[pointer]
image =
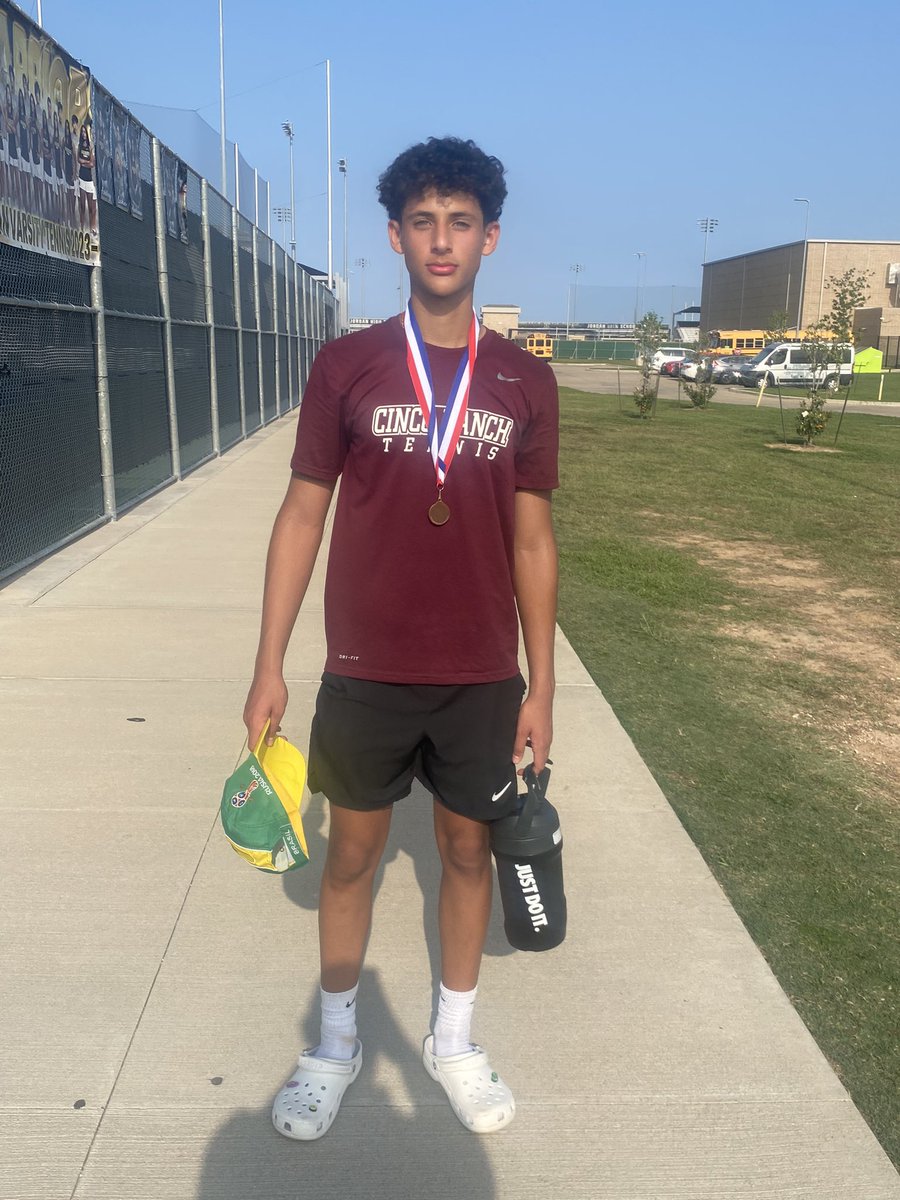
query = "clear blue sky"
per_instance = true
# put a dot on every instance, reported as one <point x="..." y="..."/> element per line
<point x="619" y="128"/>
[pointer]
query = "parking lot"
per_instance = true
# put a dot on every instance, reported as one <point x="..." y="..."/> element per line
<point x="612" y="381"/>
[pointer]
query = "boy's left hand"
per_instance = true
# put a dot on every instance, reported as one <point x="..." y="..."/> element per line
<point x="534" y="729"/>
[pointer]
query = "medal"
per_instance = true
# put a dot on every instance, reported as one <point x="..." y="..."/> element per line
<point x="443" y="432"/>
<point x="439" y="513"/>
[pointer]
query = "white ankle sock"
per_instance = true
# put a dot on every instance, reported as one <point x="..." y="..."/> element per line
<point x="338" y="1030"/>
<point x="454" y="1021"/>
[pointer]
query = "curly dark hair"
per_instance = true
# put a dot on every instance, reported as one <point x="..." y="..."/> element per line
<point x="445" y="165"/>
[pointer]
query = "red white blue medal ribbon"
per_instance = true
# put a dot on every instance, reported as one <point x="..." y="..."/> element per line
<point x="444" y="431"/>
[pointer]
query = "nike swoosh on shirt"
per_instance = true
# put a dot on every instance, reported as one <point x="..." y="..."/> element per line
<point x="496" y="796"/>
<point x="508" y="379"/>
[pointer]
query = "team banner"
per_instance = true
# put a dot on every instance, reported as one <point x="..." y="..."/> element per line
<point x="48" y="191"/>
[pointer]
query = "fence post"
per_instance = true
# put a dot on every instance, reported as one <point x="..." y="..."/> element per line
<point x="236" y="288"/>
<point x="162" y="263"/>
<point x="210" y="317"/>
<point x="259" y="354"/>
<point x="104" y="424"/>
<point x="275" y="309"/>
<point x="292" y="391"/>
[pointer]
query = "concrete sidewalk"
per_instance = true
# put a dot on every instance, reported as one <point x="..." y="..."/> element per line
<point x="156" y="989"/>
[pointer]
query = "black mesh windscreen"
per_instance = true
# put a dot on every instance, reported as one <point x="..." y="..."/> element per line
<point x="190" y="350"/>
<point x="266" y="285"/>
<point x="270" y="404"/>
<point x="281" y="289"/>
<point x="292" y="299"/>
<point x="50" y="481"/>
<point x="221" y="252"/>
<point x="227" y="387"/>
<point x="187" y="284"/>
<point x="251" y="381"/>
<point x="245" y="266"/>
<point x="25" y="275"/>
<point x="139" y="418"/>
<point x="128" y="250"/>
<point x="284" y="382"/>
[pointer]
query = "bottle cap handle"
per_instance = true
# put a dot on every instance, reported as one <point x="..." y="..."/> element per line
<point x="537" y="790"/>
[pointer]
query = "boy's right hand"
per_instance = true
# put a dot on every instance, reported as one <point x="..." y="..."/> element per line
<point x="266" y="701"/>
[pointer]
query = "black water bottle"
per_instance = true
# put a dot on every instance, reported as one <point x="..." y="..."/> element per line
<point x="527" y="847"/>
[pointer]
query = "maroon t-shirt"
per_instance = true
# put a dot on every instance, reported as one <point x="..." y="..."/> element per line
<point x="407" y="601"/>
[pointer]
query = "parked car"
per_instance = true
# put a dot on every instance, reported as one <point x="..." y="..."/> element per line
<point x="727" y="368"/>
<point x="790" y="364"/>
<point x="668" y="354"/>
<point x="697" y="370"/>
<point x="672" y="367"/>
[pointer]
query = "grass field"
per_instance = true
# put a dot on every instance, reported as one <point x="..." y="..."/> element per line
<point x="739" y="606"/>
<point x="864" y="387"/>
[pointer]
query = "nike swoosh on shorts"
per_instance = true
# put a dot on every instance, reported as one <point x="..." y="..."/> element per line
<point x="496" y="796"/>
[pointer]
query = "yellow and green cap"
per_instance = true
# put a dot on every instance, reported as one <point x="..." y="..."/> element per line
<point x="260" y="809"/>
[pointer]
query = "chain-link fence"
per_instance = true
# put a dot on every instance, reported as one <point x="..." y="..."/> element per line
<point x="191" y="331"/>
<point x="890" y="348"/>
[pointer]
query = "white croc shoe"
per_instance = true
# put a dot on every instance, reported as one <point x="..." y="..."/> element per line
<point x="478" y="1095"/>
<point x="306" y="1106"/>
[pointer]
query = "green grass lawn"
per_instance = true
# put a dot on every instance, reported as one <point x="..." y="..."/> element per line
<point x="740" y="608"/>
<point x="864" y="387"/>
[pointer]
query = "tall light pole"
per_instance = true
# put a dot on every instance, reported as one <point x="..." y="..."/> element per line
<point x="329" y="172"/>
<point x="288" y="127"/>
<point x="577" y="268"/>
<point x="802" y="200"/>
<point x="222" y="166"/>
<point x="639" y="254"/>
<point x="708" y="225"/>
<point x="342" y="167"/>
<point x="362" y="263"/>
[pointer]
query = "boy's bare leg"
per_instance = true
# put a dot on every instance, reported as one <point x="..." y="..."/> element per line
<point x="464" y="907"/>
<point x="355" y="846"/>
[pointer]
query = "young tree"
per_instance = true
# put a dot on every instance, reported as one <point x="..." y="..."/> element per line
<point x="779" y="324"/>
<point x="849" y="292"/>
<point x="820" y="345"/>
<point x="649" y="335"/>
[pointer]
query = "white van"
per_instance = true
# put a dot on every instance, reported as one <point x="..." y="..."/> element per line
<point x="790" y="364"/>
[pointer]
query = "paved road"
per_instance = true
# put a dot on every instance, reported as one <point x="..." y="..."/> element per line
<point x="588" y="377"/>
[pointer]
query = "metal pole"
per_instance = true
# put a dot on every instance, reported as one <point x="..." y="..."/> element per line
<point x="236" y="289"/>
<point x="104" y="422"/>
<point x="328" y="177"/>
<point x="293" y="206"/>
<point x="163" y="269"/>
<point x="237" y="178"/>
<point x="210" y="317"/>
<point x="40" y="14"/>
<point x="222" y="101"/>
<point x="802" y="200"/>
<point x="259" y="354"/>
<point x="276" y="335"/>
<point x="256" y="197"/>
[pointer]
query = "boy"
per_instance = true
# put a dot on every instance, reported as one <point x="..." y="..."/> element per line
<point x="445" y="438"/>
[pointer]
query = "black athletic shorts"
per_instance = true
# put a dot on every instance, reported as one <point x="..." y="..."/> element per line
<point x="370" y="740"/>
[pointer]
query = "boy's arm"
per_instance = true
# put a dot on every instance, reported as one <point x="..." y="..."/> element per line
<point x="536" y="575"/>
<point x="293" y="547"/>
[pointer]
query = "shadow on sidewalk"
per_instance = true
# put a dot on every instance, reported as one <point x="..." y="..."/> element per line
<point x="381" y="1147"/>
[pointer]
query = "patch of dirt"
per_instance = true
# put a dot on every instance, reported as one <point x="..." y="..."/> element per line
<point x="802" y="449"/>
<point x="830" y="630"/>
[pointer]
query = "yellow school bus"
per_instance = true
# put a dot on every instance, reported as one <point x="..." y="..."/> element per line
<point x="740" y="341"/>
<point x="540" y="345"/>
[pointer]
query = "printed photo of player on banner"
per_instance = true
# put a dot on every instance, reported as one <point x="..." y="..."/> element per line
<point x="48" y="191"/>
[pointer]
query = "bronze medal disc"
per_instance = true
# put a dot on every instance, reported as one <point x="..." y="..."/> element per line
<point x="439" y="513"/>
